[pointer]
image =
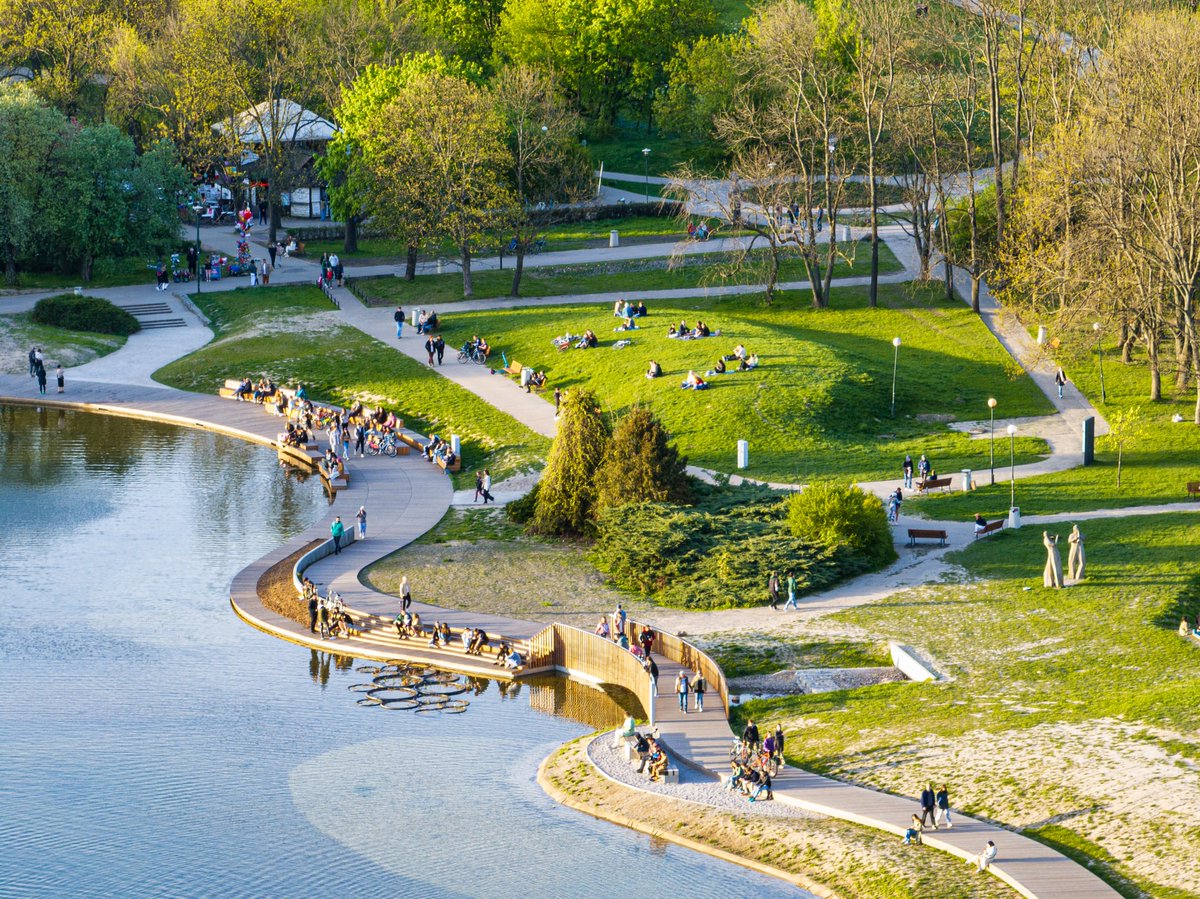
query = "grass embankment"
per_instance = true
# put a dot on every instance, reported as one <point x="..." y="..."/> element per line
<point x="18" y="333"/>
<point x="749" y="653"/>
<point x="661" y="273"/>
<point x="1156" y="468"/>
<point x="107" y="273"/>
<point x="818" y="405"/>
<point x="291" y="335"/>
<point x="479" y="560"/>
<point x="845" y="858"/>
<point x="278" y="593"/>
<point x="1071" y="714"/>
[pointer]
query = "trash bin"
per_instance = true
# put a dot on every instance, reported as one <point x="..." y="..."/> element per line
<point x="456" y="445"/>
<point x="968" y="483"/>
<point x="1041" y="338"/>
<point x="614" y="239"/>
<point x="1014" y="517"/>
<point x="743" y="454"/>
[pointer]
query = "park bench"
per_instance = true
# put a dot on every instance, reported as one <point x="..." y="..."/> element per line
<point x="933" y="484"/>
<point x="990" y="528"/>
<point x="1193" y="489"/>
<point x="514" y="368"/>
<point x="457" y="466"/>
<point x="915" y="534"/>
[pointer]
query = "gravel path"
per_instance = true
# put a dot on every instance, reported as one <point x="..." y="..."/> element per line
<point x="692" y="787"/>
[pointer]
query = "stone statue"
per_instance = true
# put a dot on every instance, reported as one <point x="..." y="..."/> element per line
<point x="1053" y="573"/>
<point x="1076" y="559"/>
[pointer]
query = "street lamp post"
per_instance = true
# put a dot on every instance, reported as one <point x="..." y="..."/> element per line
<point x="895" y="365"/>
<point x="1100" y="350"/>
<point x="646" y="171"/>
<point x="1012" y="467"/>
<point x="992" y="437"/>
<point x="199" y="275"/>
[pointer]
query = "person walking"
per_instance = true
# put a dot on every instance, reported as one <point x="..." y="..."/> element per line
<point x="405" y="594"/>
<point x="487" y="487"/>
<point x="942" y="800"/>
<point x="557" y="400"/>
<point x="60" y="376"/>
<point x="398" y="318"/>
<point x="440" y="346"/>
<point x="33" y="351"/>
<point x="652" y="669"/>
<point x="41" y="378"/>
<point x="908" y="472"/>
<point x="791" y="592"/>
<point x="312" y="606"/>
<point x="681" y="689"/>
<point x="430" y="348"/>
<point x="360" y="439"/>
<point x="361" y="515"/>
<point x="698" y="688"/>
<point x="751" y="737"/>
<point x="1060" y="379"/>
<point x="928" y="806"/>
<point x="273" y="251"/>
<point x="773" y="590"/>
<point x="478" y="486"/>
<point x="779" y="742"/>
<point x="337" y="530"/>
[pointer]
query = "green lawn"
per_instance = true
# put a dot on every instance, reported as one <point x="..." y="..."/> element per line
<point x="1061" y="702"/>
<point x="654" y="273"/>
<point x="1155" y="469"/>
<point x="819" y="403"/>
<point x="621" y="151"/>
<point x="107" y="273"/>
<point x="639" y="187"/>
<point x="59" y="345"/>
<point x="282" y="332"/>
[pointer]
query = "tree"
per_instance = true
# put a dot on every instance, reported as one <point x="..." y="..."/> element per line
<point x="1125" y="427"/>
<point x="466" y="25"/>
<point x="702" y="84"/>
<point x="640" y="464"/>
<point x="566" y="499"/>
<point x="438" y="155"/>
<point x="29" y="133"/>
<point x="836" y="514"/>
<point x="547" y="163"/>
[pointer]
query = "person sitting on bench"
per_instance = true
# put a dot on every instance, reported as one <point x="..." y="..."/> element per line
<point x="479" y="642"/>
<point x="641" y="747"/>
<point x="763" y="786"/>
<point x="658" y="762"/>
<point x="537" y="380"/>
<point x="503" y="651"/>
<point x="980" y="524"/>
<point x="654" y="371"/>
<point x="244" y="389"/>
<point x="514" y="661"/>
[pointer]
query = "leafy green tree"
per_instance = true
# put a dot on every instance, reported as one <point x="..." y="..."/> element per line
<point x="466" y="25"/>
<point x="566" y="499"/>
<point x="840" y="515"/>
<point x="703" y="82"/>
<point x="640" y="464"/>
<point x="29" y="132"/>
<point x="1125" y="427"/>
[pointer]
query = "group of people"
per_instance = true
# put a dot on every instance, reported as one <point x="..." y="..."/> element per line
<point x="37" y="369"/>
<point x="483" y="487"/>
<point x="474" y="640"/>
<point x="690" y="685"/>
<point x="327" y="614"/>
<point x="439" y="451"/>
<point x="924" y="470"/>
<point x="627" y="310"/>
<point x="423" y="320"/>
<point x="683" y="332"/>
<point x="743" y="361"/>
<point x="698" y="231"/>
<point x="774" y="594"/>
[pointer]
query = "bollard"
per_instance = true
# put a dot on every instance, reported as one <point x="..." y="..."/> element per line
<point x="1014" y="517"/>
<point x="1041" y="338"/>
<point x="743" y="454"/>
<point x="1089" y="440"/>
<point x="614" y="239"/>
<point x="456" y="445"/>
<point x="844" y="233"/>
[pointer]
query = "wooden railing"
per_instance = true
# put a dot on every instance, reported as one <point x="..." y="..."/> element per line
<point x="679" y="650"/>
<point x="590" y="657"/>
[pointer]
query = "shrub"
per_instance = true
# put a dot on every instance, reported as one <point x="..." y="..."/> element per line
<point x="521" y="510"/>
<point x="640" y="465"/>
<point x="836" y="515"/>
<point x="84" y="314"/>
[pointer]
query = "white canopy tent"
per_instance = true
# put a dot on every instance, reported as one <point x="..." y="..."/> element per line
<point x="290" y="121"/>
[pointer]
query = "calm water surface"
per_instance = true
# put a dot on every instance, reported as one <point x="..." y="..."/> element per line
<point x="155" y="745"/>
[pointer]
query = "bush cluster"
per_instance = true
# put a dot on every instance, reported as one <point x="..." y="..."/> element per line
<point x="84" y="314"/>
<point x="719" y="553"/>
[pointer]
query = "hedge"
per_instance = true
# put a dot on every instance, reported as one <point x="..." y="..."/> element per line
<point x="84" y="314"/>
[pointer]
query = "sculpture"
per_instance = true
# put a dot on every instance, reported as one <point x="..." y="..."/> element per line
<point x="1076" y="559"/>
<point x="1053" y="574"/>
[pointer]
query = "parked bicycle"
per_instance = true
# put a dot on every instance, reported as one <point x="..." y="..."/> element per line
<point x="381" y="443"/>
<point x="470" y="353"/>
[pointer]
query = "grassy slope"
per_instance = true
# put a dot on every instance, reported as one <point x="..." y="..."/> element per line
<point x="818" y="405"/>
<point x="1156" y="469"/>
<point x="58" y="344"/>
<point x="1027" y="662"/>
<point x="339" y="363"/>
<point x="602" y="277"/>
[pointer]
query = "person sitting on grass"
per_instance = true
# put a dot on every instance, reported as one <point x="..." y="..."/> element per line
<point x="702" y="330"/>
<point x="672" y="333"/>
<point x="618" y="308"/>
<point x="750" y="362"/>
<point x="693" y="382"/>
<point x="641" y="309"/>
<point x="739" y="353"/>
<point x="626" y="325"/>
<point x="654" y="371"/>
<point x="718" y="369"/>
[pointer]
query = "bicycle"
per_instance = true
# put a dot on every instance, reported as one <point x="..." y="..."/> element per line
<point x="377" y="444"/>
<point x="472" y="354"/>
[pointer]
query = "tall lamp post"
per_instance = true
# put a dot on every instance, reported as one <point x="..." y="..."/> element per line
<point x="895" y="365"/>
<point x="1100" y="350"/>
<point x="992" y="437"/>
<point x="1012" y="467"/>
<point x="198" y="208"/>
<point x="646" y="171"/>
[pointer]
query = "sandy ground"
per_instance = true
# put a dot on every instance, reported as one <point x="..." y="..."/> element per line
<point x="15" y="344"/>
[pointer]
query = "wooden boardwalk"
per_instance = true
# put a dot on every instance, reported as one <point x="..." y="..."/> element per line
<point x="407" y="496"/>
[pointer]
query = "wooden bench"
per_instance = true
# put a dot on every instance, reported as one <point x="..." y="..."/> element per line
<point x="514" y="369"/>
<point x="915" y="534"/>
<point x="989" y="528"/>
<point x="457" y="466"/>
<point x="933" y="484"/>
<point x="1193" y="489"/>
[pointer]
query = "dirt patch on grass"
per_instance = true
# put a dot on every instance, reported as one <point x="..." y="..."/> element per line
<point x="278" y="593"/>
<point x="845" y="859"/>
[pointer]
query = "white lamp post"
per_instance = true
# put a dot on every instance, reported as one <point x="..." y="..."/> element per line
<point x="646" y="171"/>
<point x="1100" y="350"/>
<point x="992" y="438"/>
<point x="1012" y="466"/>
<point x="895" y="365"/>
